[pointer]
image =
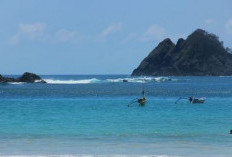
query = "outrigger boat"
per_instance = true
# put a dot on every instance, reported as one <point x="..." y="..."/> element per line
<point x="140" y="101"/>
<point x="193" y="100"/>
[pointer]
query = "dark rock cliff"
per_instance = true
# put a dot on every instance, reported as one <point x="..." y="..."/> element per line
<point x="26" y="77"/>
<point x="201" y="54"/>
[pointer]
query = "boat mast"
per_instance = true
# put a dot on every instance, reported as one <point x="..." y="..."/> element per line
<point x="143" y="92"/>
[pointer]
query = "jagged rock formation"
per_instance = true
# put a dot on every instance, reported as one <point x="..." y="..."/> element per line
<point x="200" y="54"/>
<point x="26" y="77"/>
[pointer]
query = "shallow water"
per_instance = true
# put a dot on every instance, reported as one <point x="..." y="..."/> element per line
<point x="88" y="116"/>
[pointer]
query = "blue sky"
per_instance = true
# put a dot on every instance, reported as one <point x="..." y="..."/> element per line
<point x="99" y="36"/>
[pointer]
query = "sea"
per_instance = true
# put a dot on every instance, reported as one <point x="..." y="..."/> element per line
<point x="88" y="115"/>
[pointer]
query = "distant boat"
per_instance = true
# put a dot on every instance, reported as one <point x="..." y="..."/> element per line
<point x="124" y="80"/>
<point x="194" y="100"/>
<point x="142" y="101"/>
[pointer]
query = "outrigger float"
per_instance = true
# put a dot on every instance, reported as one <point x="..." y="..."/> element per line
<point x="193" y="100"/>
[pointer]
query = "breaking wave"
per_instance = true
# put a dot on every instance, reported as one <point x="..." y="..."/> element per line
<point x="117" y="80"/>
<point x="83" y="81"/>
<point x="16" y="82"/>
<point x="142" y="79"/>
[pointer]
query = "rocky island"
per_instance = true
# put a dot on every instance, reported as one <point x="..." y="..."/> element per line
<point x="201" y="54"/>
<point x="26" y="77"/>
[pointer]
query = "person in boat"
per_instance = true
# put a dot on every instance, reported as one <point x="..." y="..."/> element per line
<point x="230" y="131"/>
<point x="196" y="100"/>
<point x="191" y="99"/>
<point x="142" y="101"/>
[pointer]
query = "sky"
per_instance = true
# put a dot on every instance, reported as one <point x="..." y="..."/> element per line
<point x="99" y="36"/>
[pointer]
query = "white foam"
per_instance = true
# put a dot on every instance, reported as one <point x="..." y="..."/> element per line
<point x="38" y="81"/>
<point x="163" y="79"/>
<point x="128" y="79"/>
<point x="142" y="79"/>
<point x="84" y="81"/>
<point x="16" y="82"/>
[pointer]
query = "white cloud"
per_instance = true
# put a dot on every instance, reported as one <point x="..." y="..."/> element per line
<point x="64" y="35"/>
<point x="38" y="32"/>
<point x="209" y="21"/>
<point x="228" y="26"/>
<point x="34" y="31"/>
<point x="155" y="32"/>
<point x="111" y="29"/>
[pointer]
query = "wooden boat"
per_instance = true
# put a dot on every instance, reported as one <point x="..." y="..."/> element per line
<point x="194" y="100"/>
<point x="142" y="101"/>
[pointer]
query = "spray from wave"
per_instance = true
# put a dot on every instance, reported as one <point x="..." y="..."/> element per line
<point x="16" y="82"/>
<point x="117" y="80"/>
<point x="142" y="79"/>
<point x="83" y="81"/>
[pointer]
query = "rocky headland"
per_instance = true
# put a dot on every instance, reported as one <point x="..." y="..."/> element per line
<point x="26" y="77"/>
<point x="201" y="54"/>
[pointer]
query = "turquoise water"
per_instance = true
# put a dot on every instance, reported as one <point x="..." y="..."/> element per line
<point x="88" y="116"/>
